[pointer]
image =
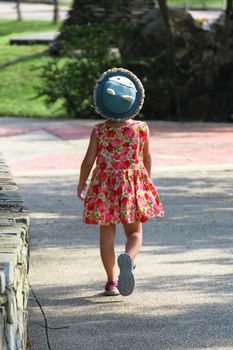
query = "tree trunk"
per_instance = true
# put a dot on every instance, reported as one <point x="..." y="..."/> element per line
<point x="229" y="8"/>
<point x="164" y="13"/>
<point x="19" y="16"/>
<point x="55" y="11"/>
<point x="171" y="47"/>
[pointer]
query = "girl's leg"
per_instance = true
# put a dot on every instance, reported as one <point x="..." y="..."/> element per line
<point x="126" y="261"/>
<point x="107" y="252"/>
<point x="134" y="238"/>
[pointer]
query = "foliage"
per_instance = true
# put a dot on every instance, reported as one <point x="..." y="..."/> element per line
<point x="161" y="86"/>
<point x="71" y="77"/>
<point x="163" y="73"/>
<point x="164" y="86"/>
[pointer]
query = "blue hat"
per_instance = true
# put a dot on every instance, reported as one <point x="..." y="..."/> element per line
<point x="118" y="94"/>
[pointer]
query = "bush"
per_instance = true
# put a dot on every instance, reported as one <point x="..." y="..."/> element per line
<point x="71" y="77"/>
<point x="158" y="83"/>
<point x="163" y="86"/>
<point x="165" y="72"/>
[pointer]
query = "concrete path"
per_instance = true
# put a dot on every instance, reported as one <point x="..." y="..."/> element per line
<point x="45" y="11"/>
<point x="31" y="11"/>
<point x="184" y="285"/>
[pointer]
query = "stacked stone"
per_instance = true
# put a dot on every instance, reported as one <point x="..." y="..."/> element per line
<point x="99" y="11"/>
<point x="14" y="255"/>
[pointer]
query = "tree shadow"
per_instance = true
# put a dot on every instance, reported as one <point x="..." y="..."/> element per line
<point x="180" y="302"/>
<point x="198" y="214"/>
<point x="22" y="59"/>
<point x="130" y="324"/>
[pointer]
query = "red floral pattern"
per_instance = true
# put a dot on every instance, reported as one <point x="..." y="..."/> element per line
<point x="120" y="190"/>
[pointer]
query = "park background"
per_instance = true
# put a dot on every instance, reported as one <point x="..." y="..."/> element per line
<point x="183" y="58"/>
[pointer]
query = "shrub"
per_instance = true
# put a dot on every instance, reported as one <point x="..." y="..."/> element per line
<point x="71" y="77"/>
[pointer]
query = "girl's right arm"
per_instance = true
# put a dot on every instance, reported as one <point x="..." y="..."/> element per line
<point x="147" y="154"/>
<point x="87" y="164"/>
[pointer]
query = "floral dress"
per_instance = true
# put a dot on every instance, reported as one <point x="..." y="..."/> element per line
<point x="120" y="190"/>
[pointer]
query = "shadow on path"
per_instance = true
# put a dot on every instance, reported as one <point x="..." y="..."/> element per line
<point x="184" y="289"/>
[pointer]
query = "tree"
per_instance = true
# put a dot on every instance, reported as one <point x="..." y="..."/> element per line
<point x="171" y="48"/>
<point x="55" y="11"/>
<point x="229" y="8"/>
<point x="101" y="11"/>
<point x="19" y="16"/>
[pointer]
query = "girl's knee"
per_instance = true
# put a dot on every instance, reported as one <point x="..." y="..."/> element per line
<point x="135" y="228"/>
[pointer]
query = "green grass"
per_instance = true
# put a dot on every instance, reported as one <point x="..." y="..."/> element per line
<point x="66" y="3"/>
<point x="198" y="3"/>
<point x="20" y="70"/>
<point x="8" y="27"/>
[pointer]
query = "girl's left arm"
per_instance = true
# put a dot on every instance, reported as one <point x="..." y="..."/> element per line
<point x="87" y="164"/>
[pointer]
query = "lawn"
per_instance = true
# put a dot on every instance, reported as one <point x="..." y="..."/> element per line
<point x="198" y="3"/>
<point x="20" y="68"/>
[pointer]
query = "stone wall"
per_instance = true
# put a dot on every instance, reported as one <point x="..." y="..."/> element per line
<point x="14" y="257"/>
<point x="99" y="11"/>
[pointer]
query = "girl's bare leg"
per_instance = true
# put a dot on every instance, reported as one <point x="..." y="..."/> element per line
<point x="134" y="238"/>
<point x="107" y="252"/>
<point x="126" y="280"/>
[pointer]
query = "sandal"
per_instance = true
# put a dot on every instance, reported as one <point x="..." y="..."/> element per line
<point x="111" y="288"/>
<point x="126" y="281"/>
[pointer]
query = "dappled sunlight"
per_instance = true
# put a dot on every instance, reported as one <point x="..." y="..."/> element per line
<point x="45" y="215"/>
<point x="183" y="276"/>
<point x="163" y="320"/>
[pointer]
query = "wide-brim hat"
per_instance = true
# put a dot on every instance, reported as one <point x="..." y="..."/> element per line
<point x="118" y="94"/>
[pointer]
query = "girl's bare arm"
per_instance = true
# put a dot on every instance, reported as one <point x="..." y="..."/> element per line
<point x="87" y="164"/>
<point x="146" y="153"/>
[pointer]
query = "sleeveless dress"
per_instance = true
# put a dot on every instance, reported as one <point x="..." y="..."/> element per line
<point x="120" y="190"/>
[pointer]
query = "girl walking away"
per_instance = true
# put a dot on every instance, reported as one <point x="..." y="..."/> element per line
<point x="120" y="191"/>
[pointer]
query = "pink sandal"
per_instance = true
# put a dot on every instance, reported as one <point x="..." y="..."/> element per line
<point x="111" y="288"/>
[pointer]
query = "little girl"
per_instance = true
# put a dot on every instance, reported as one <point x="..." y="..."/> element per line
<point x="120" y="190"/>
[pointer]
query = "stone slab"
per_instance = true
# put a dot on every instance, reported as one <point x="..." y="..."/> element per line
<point x="35" y="39"/>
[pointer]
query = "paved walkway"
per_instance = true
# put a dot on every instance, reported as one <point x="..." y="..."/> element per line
<point x="45" y="11"/>
<point x="31" y="11"/>
<point x="61" y="145"/>
<point x="184" y="291"/>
